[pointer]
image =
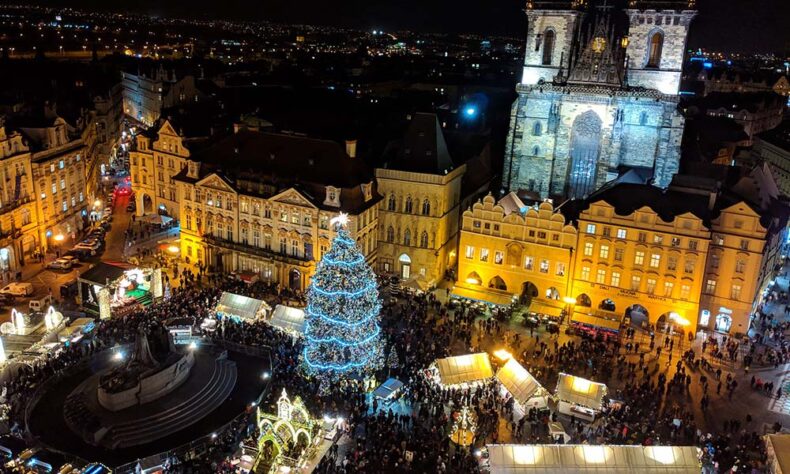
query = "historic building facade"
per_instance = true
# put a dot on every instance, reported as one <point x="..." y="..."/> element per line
<point x="418" y="217"/>
<point x="262" y="203"/>
<point x="598" y="94"/>
<point x="681" y="257"/>
<point x="512" y="251"/>
<point x="19" y="236"/>
<point x="146" y="95"/>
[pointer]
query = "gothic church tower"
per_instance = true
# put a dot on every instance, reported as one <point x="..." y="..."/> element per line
<point x="598" y="95"/>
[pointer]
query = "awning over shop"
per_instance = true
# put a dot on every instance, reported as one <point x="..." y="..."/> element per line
<point x="388" y="388"/>
<point x="539" y="306"/>
<point x="596" y="321"/>
<point x="484" y="295"/>
<point x="465" y="368"/>
<point x="520" y="383"/>
<point x="580" y="459"/>
<point x="580" y="391"/>
<point x="288" y="319"/>
<point x="238" y="306"/>
<point x="778" y="448"/>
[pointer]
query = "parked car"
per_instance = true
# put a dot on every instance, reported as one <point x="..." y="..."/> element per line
<point x="63" y="263"/>
<point x="40" y="304"/>
<point x="78" y="253"/>
<point x="17" y="289"/>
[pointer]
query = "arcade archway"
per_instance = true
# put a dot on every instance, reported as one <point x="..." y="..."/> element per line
<point x="638" y="315"/>
<point x="497" y="283"/>
<point x="584" y="300"/>
<point x="607" y="305"/>
<point x="528" y="291"/>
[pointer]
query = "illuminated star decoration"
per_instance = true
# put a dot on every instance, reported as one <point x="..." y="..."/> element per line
<point x="341" y="220"/>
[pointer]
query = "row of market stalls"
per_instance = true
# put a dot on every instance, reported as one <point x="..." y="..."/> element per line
<point x="243" y="308"/>
<point x="575" y="396"/>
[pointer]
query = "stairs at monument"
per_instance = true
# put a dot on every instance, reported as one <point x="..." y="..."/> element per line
<point x="151" y="428"/>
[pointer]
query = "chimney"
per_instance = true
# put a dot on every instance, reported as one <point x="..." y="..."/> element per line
<point x="351" y="148"/>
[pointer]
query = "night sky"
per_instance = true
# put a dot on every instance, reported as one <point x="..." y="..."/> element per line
<point x="728" y="25"/>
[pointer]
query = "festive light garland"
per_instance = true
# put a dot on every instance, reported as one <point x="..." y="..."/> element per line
<point x="342" y="332"/>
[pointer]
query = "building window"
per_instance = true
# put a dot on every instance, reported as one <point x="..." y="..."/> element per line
<point x="654" y="49"/>
<point x="391" y="234"/>
<point x="740" y="266"/>
<point x="283" y="217"/>
<point x="426" y="208"/>
<point x="588" y="249"/>
<point x="548" y="47"/>
<point x="714" y="261"/>
<point x="283" y="246"/>
<point x="693" y="244"/>
<point x="658" y="239"/>
<point x="391" y="203"/>
<point x="636" y="282"/>
<point x="476" y="224"/>
<point x="643" y="237"/>
<point x="537" y="129"/>
<point x="675" y="242"/>
<point x="529" y="263"/>
<point x="499" y="257"/>
<point x="424" y="240"/>
<point x="541" y="235"/>
<point x="544" y="266"/>
<point x="710" y="286"/>
<point x="483" y="254"/>
<point x="639" y="258"/>
<point x="603" y="252"/>
<point x="672" y="263"/>
<point x="560" y="269"/>
<point x="409" y="205"/>
<point x="651" y="285"/>
<point x="65" y="206"/>
<point x="615" y="281"/>
<point x="607" y="231"/>
<point x="294" y="248"/>
<point x="62" y="183"/>
<point x="470" y="251"/>
<point x="643" y="118"/>
<point x="407" y="237"/>
<point x="295" y="218"/>
<point x="585" y="275"/>
<point x="735" y="293"/>
<point x="618" y="255"/>
<point x="689" y="267"/>
<point x="600" y="277"/>
<point x="622" y="233"/>
<point x="535" y="150"/>
<point x="655" y="260"/>
<point x="685" y="291"/>
<point x="744" y="244"/>
<point x="668" y="286"/>
<point x="531" y="233"/>
<point x="591" y="229"/>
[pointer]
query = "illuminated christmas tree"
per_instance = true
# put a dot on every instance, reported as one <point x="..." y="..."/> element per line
<point x="343" y="310"/>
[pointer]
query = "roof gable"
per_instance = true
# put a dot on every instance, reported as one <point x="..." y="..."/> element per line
<point x="215" y="181"/>
<point x="167" y="129"/>
<point x="292" y="196"/>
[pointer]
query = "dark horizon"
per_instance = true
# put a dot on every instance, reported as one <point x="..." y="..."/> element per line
<point x="733" y="26"/>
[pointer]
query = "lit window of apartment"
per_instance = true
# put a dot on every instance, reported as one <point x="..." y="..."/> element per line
<point x="689" y="266"/>
<point x="483" y="255"/>
<point x="615" y="280"/>
<point x="692" y="245"/>
<point x="591" y="229"/>
<point x="585" y="274"/>
<point x="714" y="260"/>
<point x="672" y="263"/>
<point x="735" y="293"/>
<point x="740" y="266"/>
<point x="655" y="260"/>
<point x="603" y="252"/>
<point x="685" y="291"/>
<point x="600" y="277"/>
<point x="636" y="282"/>
<point x="658" y="239"/>
<point x="710" y="286"/>
<point x="529" y="262"/>
<point x="588" y="249"/>
<point x="622" y="233"/>
<point x="470" y="251"/>
<point x="744" y="244"/>
<point x="651" y="285"/>
<point x="544" y="266"/>
<point x="618" y="255"/>
<point x="560" y="269"/>
<point x="499" y="257"/>
<point x="668" y="286"/>
<point x="639" y="258"/>
<point x="675" y="242"/>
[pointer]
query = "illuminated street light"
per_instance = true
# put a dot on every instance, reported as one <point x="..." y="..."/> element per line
<point x="59" y="238"/>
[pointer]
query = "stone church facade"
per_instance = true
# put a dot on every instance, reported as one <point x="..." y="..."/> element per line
<point x="598" y="96"/>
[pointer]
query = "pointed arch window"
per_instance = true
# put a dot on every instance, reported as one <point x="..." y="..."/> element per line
<point x="655" y="48"/>
<point x="407" y="237"/>
<point x="390" y="234"/>
<point x="424" y="240"/>
<point x="536" y="151"/>
<point x="537" y="129"/>
<point x="426" y="208"/>
<point x="391" y="203"/>
<point x="409" y="205"/>
<point x="548" y="47"/>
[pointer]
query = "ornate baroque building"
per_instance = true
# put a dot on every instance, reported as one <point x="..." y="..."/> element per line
<point x="598" y="95"/>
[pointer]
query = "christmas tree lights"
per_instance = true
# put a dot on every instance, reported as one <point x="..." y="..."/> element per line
<point x="343" y="308"/>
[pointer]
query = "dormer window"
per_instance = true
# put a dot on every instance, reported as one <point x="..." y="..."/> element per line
<point x="367" y="191"/>
<point x="332" y="196"/>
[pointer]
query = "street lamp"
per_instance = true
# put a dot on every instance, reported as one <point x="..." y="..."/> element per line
<point x="59" y="238"/>
<point x="571" y="302"/>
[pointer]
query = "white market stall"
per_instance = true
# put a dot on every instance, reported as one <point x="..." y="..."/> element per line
<point x="568" y="458"/>
<point x="288" y="319"/>
<point x="526" y="390"/>
<point x="465" y="369"/>
<point x="240" y="307"/>
<point x="579" y="397"/>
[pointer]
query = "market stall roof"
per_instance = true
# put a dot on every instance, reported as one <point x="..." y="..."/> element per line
<point x="104" y="272"/>
<point x="465" y="368"/>
<point x="779" y="445"/>
<point x="288" y="319"/>
<point x="240" y="306"/>
<point x="538" y="306"/>
<point x="597" y="321"/>
<point x="520" y="383"/>
<point x="580" y="391"/>
<point x="481" y="294"/>
<point x="590" y="459"/>
<point x="388" y="388"/>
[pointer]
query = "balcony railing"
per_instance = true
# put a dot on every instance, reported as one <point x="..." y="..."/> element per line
<point x="257" y="251"/>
